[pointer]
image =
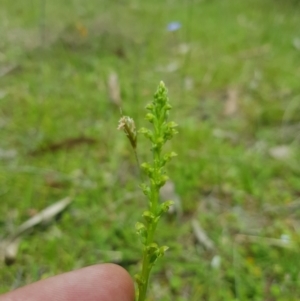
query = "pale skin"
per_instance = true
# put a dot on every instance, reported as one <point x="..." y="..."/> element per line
<point x="105" y="282"/>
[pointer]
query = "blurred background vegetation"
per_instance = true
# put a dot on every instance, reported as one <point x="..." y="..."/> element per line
<point x="233" y="73"/>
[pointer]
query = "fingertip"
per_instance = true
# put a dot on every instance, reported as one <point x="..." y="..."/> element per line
<point x="122" y="284"/>
<point x="103" y="282"/>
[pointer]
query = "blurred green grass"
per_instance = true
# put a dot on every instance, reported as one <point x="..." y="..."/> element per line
<point x="225" y="174"/>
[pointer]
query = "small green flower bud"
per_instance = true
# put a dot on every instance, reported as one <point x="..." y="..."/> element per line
<point x="139" y="226"/>
<point x="167" y="157"/>
<point x="167" y="107"/>
<point x="152" y="248"/>
<point x="148" y="169"/>
<point x="162" y="181"/>
<point x="165" y="206"/>
<point x="148" y="216"/>
<point x="150" y="117"/>
<point x="153" y="252"/>
<point x="150" y="107"/>
<point x="146" y="189"/>
<point x="162" y="250"/>
<point x="141" y="231"/>
<point x="148" y="134"/>
<point x="172" y="124"/>
<point x="159" y="142"/>
<point x="139" y="280"/>
<point x="169" y="133"/>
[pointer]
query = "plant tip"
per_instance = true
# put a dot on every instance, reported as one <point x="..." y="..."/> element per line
<point x="128" y="126"/>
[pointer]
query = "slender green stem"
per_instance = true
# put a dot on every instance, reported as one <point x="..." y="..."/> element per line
<point x="146" y="266"/>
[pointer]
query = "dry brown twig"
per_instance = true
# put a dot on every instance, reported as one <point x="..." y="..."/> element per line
<point x="9" y="247"/>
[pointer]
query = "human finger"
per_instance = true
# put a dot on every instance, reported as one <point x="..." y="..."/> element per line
<point x="105" y="282"/>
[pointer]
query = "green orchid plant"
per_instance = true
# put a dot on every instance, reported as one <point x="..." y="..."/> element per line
<point x="162" y="131"/>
